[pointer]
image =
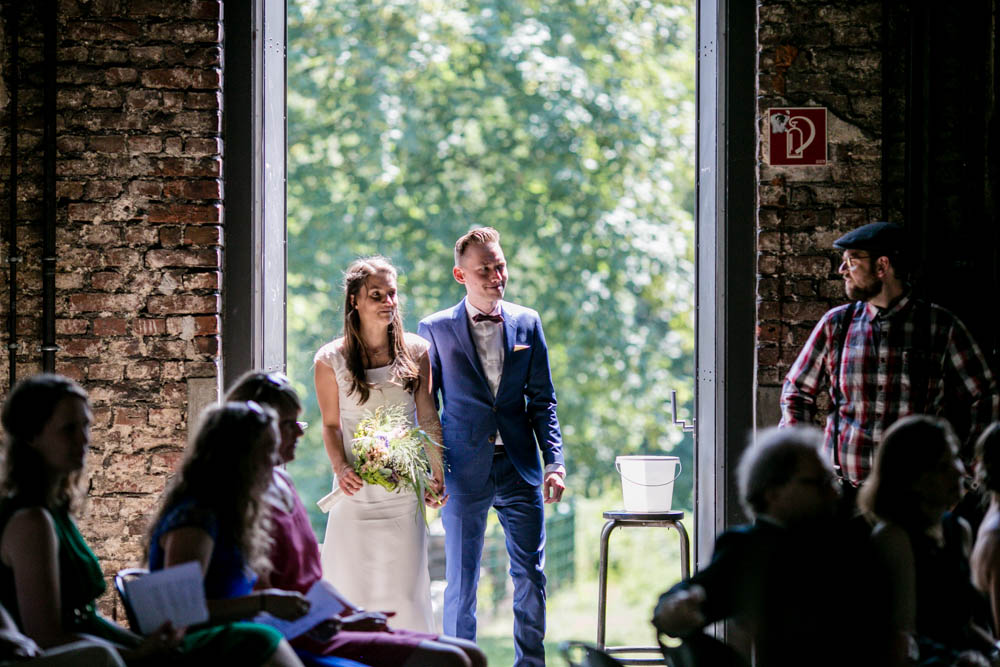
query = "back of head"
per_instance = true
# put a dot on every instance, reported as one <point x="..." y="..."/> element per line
<point x="28" y="408"/>
<point x="272" y="389"/>
<point x="912" y="446"/>
<point x="988" y="456"/>
<point x="771" y="461"/>
<point x="475" y="237"/>
<point x="226" y="469"/>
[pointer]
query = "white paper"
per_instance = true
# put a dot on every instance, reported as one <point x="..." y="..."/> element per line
<point x="327" y="502"/>
<point x="325" y="603"/>
<point x="175" y="594"/>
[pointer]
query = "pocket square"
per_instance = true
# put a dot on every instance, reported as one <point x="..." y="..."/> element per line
<point x="518" y="348"/>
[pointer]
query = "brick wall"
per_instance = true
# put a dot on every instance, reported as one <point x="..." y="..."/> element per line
<point x="139" y="233"/>
<point x="813" y="54"/>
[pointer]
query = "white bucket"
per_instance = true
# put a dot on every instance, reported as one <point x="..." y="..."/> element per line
<point x="648" y="481"/>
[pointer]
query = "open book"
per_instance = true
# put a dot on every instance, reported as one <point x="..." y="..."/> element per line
<point x="175" y="594"/>
<point x="324" y="603"/>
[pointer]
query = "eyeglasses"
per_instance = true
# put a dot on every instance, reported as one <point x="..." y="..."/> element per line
<point x="290" y="423"/>
<point x="257" y="411"/>
<point x="851" y="262"/>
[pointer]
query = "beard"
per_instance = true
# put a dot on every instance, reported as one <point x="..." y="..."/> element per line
<point x="857" y="292"/>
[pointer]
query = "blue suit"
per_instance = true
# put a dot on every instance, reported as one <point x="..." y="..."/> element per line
<point x="524" y="413"/>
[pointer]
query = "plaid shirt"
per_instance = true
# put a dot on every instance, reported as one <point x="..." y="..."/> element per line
<point x="912" y="358"/>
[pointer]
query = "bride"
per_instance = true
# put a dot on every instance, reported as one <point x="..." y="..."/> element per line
<point x="375" y="549"/>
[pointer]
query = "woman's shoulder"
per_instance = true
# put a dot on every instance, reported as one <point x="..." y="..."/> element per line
<point x="331" y="354"/>
<point x="891" y="538"/>
<point x="187" y="514"/>
<point x="416" y="345"/>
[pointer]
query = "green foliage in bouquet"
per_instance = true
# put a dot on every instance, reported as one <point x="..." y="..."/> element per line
<point x="392" y="453"/>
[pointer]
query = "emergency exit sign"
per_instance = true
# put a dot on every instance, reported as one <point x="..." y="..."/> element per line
<point x="797" y="135"/>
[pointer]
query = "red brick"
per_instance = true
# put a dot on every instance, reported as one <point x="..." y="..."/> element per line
<point x="208" y="235"/>
<point x="133" y="416"/>
<point x="182" y="304"/>
<point x="71" y="327"/>
<point x="166" y="349"/>
<point x="85" y="212"/>
<point x="122" y="257"/>
<point x="81" y="347"/>
<point x="166" y="461"/>
<point x="91" y="302"/>
<point x="98" y="234"/>
<point x="110" y="372"/>
<point x="105" y="99"/>
<point x="198" y="258"/>
<point x="69" y="281"/>
<point x="185" y="32"/>
<point x="143" y="370"/>
<point x="210" y="189"/>
<point x="145" y="144"/>
<point x="184" y="78"/>
<point x="121" y="31"/>
<point x="150" y="189"/>
<point x="185" y="166"/>
<point x="116" y="76"/>
<point x="110" y="326"/>
<point x="170" y="236"/>
<point x="136" y="235"/>
<point x="149" y="327"/>
<point x="71" y="369"/>
<point x="144" y="99"/>
<point x="207" y="344"/>
<point x="69" y="189"/>
<point x="194" y="213"/>
<point x="210" y="280"/>
<point x="67" y="144"/>
<point x="199" y="146"/>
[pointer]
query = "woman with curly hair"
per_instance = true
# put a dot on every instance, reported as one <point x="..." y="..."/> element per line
<point x="213" y="513"/>
<point x="375" y="549"/>
<point x="49" y="577"/>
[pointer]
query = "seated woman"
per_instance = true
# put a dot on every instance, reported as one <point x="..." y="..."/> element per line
<point x="49" y="577"/>
<point x="986" y="554"/>
<point x="295" y="555"/>
<point x="916" y="480"/>
<point x="213" y="513"/>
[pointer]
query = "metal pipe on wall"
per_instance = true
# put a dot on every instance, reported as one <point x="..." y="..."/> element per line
<point x="49" y="347"/>
<point x="13" y="258"/>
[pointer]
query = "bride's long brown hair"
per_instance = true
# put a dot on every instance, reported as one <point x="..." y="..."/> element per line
<point x="401" y="362"/>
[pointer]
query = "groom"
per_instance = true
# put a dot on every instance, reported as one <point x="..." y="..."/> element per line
<point x="491" y="366"/>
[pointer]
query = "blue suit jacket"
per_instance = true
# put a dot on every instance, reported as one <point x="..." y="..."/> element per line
<point x="523" y="411"/>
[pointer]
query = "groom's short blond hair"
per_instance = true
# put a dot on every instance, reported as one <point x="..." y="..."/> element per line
<point x="477" y="236"/>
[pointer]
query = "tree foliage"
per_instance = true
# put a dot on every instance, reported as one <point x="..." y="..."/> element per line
<point x="568" y="126"/>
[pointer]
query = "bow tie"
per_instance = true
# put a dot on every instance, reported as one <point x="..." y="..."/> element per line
<point x="479" y="317"/>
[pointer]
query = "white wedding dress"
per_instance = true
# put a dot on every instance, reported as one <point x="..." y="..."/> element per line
<point x="375" y="549"/>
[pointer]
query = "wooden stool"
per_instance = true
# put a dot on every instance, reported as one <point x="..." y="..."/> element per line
<point x="623" y="519"/>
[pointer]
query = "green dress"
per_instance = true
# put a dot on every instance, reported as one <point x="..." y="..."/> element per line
<point x="81" y="582"/>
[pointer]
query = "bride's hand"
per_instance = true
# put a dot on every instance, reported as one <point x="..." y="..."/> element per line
<point x="348" y="480"/>
<point x="435" y="496"/>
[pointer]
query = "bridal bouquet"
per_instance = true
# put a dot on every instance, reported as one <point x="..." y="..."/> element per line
<point x="392" y="453"/>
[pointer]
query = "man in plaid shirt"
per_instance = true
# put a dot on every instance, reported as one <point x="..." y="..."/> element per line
<point x="891" y="355"/>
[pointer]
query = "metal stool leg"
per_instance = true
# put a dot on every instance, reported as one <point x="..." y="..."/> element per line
<point x="602" y="582"/>
<point x="685" y="550"/>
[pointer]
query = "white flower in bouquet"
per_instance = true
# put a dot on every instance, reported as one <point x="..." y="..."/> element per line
<point x="391" y="452"/>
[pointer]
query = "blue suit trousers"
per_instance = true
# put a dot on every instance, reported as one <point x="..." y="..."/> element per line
<point x="521" y="510"/>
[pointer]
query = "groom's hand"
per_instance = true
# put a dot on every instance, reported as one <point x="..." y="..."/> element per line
<point x="553" y="487"/>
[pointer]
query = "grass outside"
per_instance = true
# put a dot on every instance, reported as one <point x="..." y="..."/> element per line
<point x="643" y="562"/>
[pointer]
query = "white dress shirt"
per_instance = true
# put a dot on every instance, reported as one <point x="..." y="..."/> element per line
<point x="487" y="336"/>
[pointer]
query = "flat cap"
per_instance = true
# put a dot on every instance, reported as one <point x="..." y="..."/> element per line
<point x="884" y="236"/>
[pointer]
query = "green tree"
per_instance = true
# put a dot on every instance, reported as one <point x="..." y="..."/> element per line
<point x="568" y="126"/>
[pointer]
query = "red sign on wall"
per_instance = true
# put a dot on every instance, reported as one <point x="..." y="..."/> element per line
<point x="797" y="135"/>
